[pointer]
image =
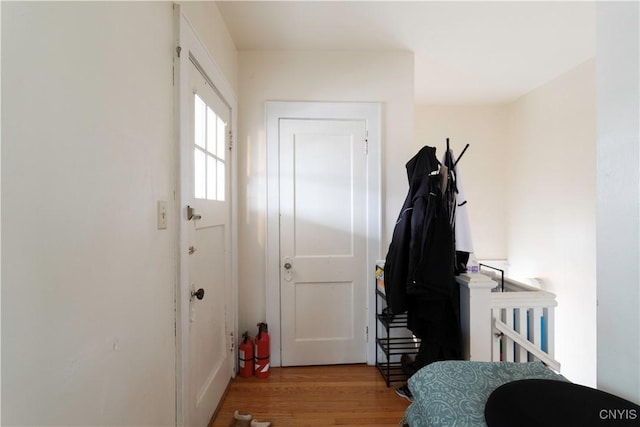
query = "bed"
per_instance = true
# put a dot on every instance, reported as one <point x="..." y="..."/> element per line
<point x="454" y="393"/>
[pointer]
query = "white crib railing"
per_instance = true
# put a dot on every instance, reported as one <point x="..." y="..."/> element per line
<point x="516" y="325"/>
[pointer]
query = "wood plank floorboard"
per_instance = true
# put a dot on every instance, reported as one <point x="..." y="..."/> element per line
<point x="343" y="395"/>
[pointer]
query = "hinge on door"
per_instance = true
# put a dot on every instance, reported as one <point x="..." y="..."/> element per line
<point x="178" y="50"/>
<point x="230" y="139"/>
<point x="366" y="332"/>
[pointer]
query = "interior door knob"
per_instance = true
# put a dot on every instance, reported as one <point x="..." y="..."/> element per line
<point x="198" y="294"/>
<point x="288" y="272"/>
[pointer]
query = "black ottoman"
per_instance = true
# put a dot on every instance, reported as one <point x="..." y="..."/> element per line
<point x="548" y="403"/>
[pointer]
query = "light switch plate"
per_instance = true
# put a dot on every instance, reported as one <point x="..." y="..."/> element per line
<point x="162" y="215"/>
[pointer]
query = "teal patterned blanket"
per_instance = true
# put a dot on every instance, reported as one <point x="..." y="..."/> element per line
<point x="453" y="393"/>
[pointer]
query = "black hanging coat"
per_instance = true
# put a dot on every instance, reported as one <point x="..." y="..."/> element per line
<point x="419" y="268"/>
<point x="421" y="254"/>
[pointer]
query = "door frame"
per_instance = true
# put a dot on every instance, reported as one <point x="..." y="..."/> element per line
<point x="190" y="48"/>
<point x="369" y="112"/>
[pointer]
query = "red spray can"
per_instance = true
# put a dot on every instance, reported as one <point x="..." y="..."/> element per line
<point x="262" y="354"/>
<point x="245" y="356"/>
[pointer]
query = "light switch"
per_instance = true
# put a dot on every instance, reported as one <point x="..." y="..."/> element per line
<point x="162" y="215"/>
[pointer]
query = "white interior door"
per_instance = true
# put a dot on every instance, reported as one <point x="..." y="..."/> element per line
<point x="209" y="260"/>
<point x="323" y="242"/>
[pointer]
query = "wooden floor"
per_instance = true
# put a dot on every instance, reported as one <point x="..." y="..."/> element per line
<point x="345" y="395"/>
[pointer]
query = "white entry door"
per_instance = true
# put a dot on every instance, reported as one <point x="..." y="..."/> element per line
<point x="209" y="260"/>
<point x="323" y="242"/>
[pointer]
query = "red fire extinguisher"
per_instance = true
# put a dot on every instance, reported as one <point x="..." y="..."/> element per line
<point x="262" y="354"/>
<point x="245" y="356"/>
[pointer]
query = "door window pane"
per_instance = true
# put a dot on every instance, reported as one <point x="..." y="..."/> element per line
<point x="199" y="168"/>
<point x="221" y="184"/>
<point x="222" y="126"/>
<point x="211" y="178"/>
<point x="209" y="152"/>
<point x="211" y="131"/>
<point x="199" y="130"/>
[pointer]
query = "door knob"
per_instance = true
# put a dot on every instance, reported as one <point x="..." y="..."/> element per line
<point x="198" y="294"/>
<point x="287" y="274"/>
<point x="191" y="214"/>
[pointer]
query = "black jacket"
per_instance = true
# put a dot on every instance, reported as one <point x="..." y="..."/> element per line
<point x="420" y="260"/>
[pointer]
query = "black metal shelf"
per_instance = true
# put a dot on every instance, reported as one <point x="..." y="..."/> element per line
<point x="391" y="372"/>
<point x="391" y="347"/>
<point x="393" y="321"/>
<point x="400" y="345"/>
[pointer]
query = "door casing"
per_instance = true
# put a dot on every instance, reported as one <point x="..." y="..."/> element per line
<point x="276" y="110"/>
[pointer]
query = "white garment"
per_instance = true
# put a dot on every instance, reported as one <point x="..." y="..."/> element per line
<point x="464" y="242"/>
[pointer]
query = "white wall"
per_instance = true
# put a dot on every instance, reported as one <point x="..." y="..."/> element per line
<point x="551" y="210"/>
<point x="529" y="177"/>
<point x="618" y="228"/>
<point x="314" y="76"/>
<point x="87" y="280"/>
<point x="88" y="149"/>
<point x="482" y="168"/>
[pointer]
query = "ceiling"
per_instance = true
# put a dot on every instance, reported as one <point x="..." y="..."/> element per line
<point x="465" y="52"/>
